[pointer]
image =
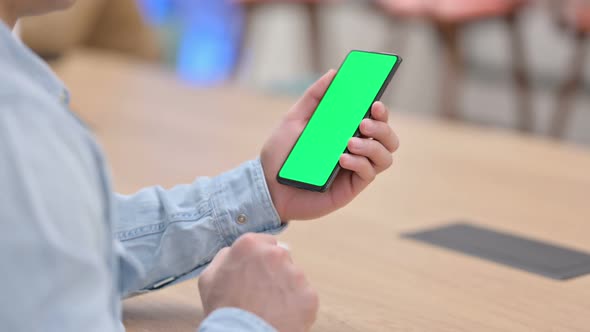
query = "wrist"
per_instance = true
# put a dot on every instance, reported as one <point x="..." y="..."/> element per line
<point x="273" y="189"/>
<point x="241" y="203"/>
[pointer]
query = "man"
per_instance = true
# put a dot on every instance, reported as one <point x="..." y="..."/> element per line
<point x="70" y="249"/>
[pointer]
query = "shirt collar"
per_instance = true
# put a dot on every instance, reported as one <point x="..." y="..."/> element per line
<point x="16" y="55"/>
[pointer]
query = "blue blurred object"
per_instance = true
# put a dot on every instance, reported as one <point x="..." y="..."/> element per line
<point x="156" y="11"/>
<point x="209" y="43"/>
<point x="208" y="36"/>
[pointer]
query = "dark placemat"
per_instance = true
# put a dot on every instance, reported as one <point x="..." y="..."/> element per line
<point x="546" y="259"/>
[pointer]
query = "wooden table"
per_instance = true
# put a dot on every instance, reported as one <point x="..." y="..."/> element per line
<point x="156" y="130"/>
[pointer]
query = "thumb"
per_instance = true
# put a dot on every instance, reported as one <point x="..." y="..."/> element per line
<point x="305" y="107"/>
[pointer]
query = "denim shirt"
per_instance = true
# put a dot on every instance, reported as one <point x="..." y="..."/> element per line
<point x="70" y="248"/>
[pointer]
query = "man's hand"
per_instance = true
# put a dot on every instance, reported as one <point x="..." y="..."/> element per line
<point x="368" y="157"/>
<point x="258" y="276"/>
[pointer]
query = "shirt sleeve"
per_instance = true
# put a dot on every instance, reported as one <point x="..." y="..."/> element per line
<point x="234" y="320"/>
<point x="167" y="236"/>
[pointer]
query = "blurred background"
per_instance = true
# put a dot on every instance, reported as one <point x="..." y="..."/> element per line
<point x="516" y="64"/>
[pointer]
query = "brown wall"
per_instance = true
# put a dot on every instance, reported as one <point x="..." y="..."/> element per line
<point x="110" y="24"/>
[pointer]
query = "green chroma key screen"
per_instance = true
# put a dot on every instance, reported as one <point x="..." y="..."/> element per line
<point x="347" y="101"/>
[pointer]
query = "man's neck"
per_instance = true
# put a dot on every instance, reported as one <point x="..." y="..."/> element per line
<point x="7" y="15"/>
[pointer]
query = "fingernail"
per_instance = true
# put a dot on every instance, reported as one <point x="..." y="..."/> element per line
<point x="367" y="125"/>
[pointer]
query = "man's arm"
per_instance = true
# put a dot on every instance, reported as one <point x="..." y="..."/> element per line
<point x="167" y="236"/>
<point x="55" y="247"/>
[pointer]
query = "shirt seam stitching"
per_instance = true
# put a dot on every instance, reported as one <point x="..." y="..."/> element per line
<point x="161" y="226"/>
<point x="216" y="216"/>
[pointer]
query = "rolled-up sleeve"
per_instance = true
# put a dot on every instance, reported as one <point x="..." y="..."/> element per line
<point x="167" y="236"/>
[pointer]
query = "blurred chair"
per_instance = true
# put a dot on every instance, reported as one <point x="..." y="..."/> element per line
<point x="110" y="24"/>
<point x="449" y="17"/>
<point x="312" y="12"/>
<point x="573" y="16"/>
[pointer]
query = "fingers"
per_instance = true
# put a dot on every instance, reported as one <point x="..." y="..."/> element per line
<point x="305" y="107"/>
<point x="250" y="240"/>
<point x="373" y="150"/>
<point x="210" y="271"/>
<point x="249" y="243"/>
<point x="218" y="259"/>
<point x="381" y="132"/>
<point x="221" y="254"/>
<point x="379" y="112"/>
<point x="280" y="255"/>
<point x="360" y="165"/>
<point x="379" y="129"/>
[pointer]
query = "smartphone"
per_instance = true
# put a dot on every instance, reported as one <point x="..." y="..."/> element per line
<point x="362" y="78"/>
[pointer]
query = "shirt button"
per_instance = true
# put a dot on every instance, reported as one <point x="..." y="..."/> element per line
<point x="63" y="97"/>
<point x="242" y="219"/>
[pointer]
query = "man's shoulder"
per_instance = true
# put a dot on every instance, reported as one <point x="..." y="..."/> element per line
<point x="25" y="103"/>
<point x="18" y="89"/>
